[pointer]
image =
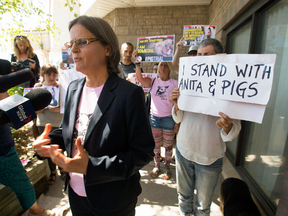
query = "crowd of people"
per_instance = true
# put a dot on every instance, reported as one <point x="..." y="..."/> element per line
<point x="108" y="135"/>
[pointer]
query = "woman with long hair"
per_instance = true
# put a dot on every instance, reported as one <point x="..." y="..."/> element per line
<point x="24" y="54"/>
<point x="162" y="123"/>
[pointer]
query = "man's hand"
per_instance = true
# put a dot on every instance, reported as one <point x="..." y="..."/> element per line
<point x="134" y="55"/>
<point x="224" y="122"/>
<point x="174" y="95"/>
<point x="41" y="144"/>
<point x="78" y="164"/>
<point x="176" y="127"/>
<point x="180" y="44"/>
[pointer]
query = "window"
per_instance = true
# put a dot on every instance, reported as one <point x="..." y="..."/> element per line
<point x="264" y="148"/>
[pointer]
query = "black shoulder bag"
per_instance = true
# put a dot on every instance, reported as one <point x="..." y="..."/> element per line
<point x="148" y="99"/>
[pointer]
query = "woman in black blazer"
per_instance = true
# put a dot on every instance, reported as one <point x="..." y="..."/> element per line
<point x="105" y="129"/>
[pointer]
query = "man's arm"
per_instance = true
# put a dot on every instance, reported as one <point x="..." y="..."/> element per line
<point x="175" y="64"/>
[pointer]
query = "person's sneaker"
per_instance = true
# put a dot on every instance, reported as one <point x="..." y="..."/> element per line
<point x="45" y="213"/>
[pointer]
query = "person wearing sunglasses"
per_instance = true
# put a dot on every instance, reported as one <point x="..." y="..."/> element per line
<point x="106" y="136"/>
<point x="23" y="51"/>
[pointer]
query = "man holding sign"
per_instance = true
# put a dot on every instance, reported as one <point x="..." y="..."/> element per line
<point x="199" y="154"/>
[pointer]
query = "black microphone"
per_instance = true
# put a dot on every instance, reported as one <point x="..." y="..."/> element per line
<point x="15" y="78"/>
<point x="18" y="110"/>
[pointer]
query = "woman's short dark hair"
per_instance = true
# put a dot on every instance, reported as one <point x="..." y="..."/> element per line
<point x="102" y="30"/>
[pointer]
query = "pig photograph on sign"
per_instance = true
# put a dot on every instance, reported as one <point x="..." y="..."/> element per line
<point x="156" y="48"/>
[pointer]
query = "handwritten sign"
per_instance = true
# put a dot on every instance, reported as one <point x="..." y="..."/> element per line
<point x="236" y="78"/>
<point x="133" y="79"/>
<point x="194" y="34"/>
<point x="156" y="48"/>
<point x="66" y="76"/>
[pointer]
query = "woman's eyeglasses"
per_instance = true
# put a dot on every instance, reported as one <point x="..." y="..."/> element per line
<point x="81" y="42"/>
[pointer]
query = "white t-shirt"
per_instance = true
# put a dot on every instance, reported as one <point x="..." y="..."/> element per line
<point x="85" y="110"/>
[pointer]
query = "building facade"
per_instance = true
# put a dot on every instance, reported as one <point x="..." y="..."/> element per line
<point x="259" y="154"/>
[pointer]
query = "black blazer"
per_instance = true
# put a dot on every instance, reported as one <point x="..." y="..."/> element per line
<point x="119" y="142"/>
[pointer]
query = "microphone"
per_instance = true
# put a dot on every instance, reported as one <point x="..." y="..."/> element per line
<point x="18" y="110"/>
<point x="13" y="79"/>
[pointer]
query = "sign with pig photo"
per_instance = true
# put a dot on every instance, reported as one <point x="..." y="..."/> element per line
<point x="155" y="48"/>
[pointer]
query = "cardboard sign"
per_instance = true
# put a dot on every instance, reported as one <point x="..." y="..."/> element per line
<point x="210" y="84"/>
<point x="66" y="76"/>
<point x="54" y="90"/>
<point x="133" y="79"/>
<point x="194" y="34"/>
<point x="156" y="48"/>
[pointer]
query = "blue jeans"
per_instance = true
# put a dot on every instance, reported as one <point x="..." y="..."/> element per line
<point x="165" y="123"/>
<point x="190" y="176"/>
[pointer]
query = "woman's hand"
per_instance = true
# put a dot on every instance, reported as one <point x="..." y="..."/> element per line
<point x="42" y="143"/>
<point x="32" y="65"/>
<point x="78" y="164"/>
<point x="224" y="122"/>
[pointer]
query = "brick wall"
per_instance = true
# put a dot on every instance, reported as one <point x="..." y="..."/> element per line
<point x="132" y="23"/>
<point x="222" y="13"/>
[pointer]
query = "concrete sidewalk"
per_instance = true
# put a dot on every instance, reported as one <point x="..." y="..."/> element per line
<point x="158" y="198"/>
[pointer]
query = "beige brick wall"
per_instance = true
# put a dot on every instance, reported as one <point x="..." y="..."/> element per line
<point x="223" y="12"/>
<point x="132" y="23"/>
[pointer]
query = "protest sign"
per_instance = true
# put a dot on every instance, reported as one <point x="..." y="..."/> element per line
<point x="66" y="76"/>
<point x="238" y="84"/>
<point x="133" y="79"/>
<point x="194" y="34"/>
<point x="54" y="90"/>
<point x="156" y="48"/>
<point x="67" y="59"/>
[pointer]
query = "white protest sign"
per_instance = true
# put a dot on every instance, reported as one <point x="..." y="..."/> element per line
<point x="66" y="76"/>
<point x="209" y="84"/>
<point x="133" y="79"/>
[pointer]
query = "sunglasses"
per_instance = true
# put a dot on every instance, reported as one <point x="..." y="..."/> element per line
<point x="21" y="36"/>
<point x="81" y="42"/>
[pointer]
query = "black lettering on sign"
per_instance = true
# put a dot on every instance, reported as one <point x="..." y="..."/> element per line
<point x="256" y="91"/>
<point x="211" y="84"/>
<point x="226" y="84"/>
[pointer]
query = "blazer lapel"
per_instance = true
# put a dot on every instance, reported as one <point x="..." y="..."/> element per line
<point x="105" y="99"/>
<point x="73" y="106"/>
